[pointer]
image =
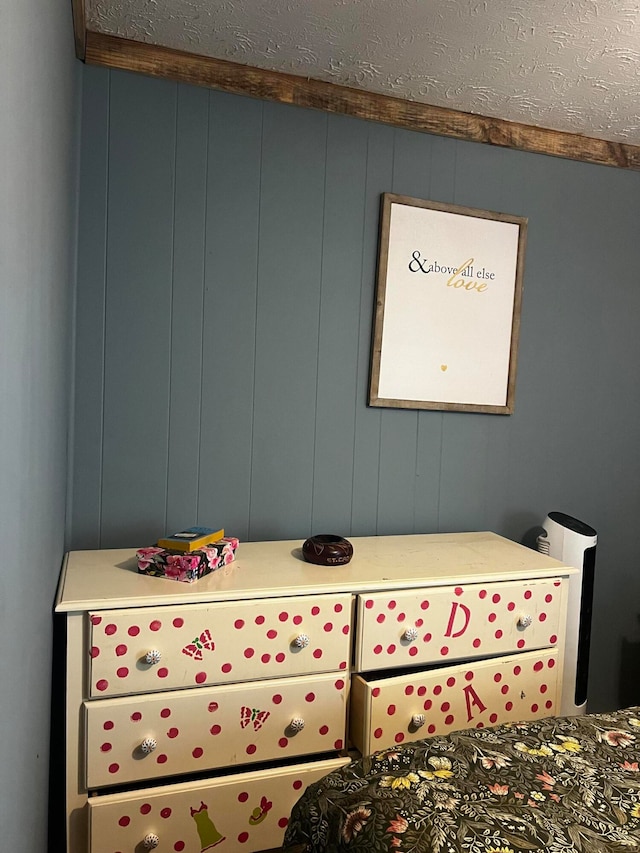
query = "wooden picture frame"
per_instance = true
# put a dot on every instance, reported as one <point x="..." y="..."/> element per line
<point x="448" y="300"/>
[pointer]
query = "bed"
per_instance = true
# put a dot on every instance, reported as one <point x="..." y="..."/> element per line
<point x="559" y="785"/>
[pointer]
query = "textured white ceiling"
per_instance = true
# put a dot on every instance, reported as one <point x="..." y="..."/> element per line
<point x="569" y="65"/>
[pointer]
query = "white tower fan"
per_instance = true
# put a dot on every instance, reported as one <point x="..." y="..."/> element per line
<point x="574" y="543"/>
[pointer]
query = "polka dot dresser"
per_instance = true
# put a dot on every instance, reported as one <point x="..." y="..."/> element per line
<point x="196" y="715"/>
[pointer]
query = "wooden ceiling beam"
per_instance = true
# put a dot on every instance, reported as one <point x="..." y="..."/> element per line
<point x="113" y="52"/>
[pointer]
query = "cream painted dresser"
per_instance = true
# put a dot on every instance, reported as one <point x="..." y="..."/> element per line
<point x="197" y="713"/>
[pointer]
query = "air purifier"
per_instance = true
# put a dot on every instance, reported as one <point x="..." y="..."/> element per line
<point x="574" y="543"/>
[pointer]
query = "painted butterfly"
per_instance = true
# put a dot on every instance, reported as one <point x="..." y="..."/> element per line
<point x="195" y="648"/>
<point x="253" y="715"/>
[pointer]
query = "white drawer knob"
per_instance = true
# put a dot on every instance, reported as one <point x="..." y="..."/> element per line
<point x="301" y="641"/>
<point x="410" y="634"/>
<point x="417" y="721"/>
<point x="148" y="745"/>
<point x="297" y="724"/>
<point x="150" y="841"/>
<point x="153" y="656"/>
<point x="525" y="620"/>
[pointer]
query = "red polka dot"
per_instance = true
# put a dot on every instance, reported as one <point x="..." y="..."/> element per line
<point x="283" y="742"/>
<point x="504" y="689"/>
<point x="413" y="650"/>
<point x="527" y="594"/>
<point x="155" y="625"/>
<point x="543" y="688"/>
<point x="427" y="637"/>
<point x="495" y="598"/>
<point x="107" y="725"/>
<point x="121" y="649"/>
<point x="498" y="634"/>
<point x="317" y="653"/>
<point x="272" y="634"/>
<point x="542" y="617"/>
<point x="165" y="813"/>
<point x="511" y="606"/>
<point x="538" y="665"/>
<point x="451" y="681"/>
<point x="377" y="649"/>
<point x="345" y="629"/>
<point x="297" y="784"/>
<point x="399" y="737"/>
<point x="110" y="629"/>
<point x="408" y="690"/>
<point x="437" y="690"/>
<point x="259" y="620"/>
<point x="391" y="649"/>
<point x="380" y="618"/>
<point x="553" y="639"/>
<point x="162" y="758"/>
<point x="520" y="644"/>
<point x="244" y="836"/>
<point x="243" y="796"/>
<point x="497" y="677"/>
<point x="133" y="631"/>
<point x="534" y="708"/>
<point x="377" y="733"/>
<point x="178" y="622"/>
<point x="95" y="651"/>
<point x="492" y="617"/>
<point x="106" y="747"/>
<point x="283" y="616"/>
<point x="226" y="667"/>
<point x="310" y="697"/>
<point x="96" y="620"/>
<point x="212" y="706"/>
<point x="508" y="706"/>
<point x="249" y="653"/>
<point x="469" y="675"/>
<point x="391" y="709"/>
<point x="163" y="672"/>
<point x="424" y="605"/>
<point x="113" y="768"/>
<point x="444" y="650"/>
<point x="251" y="748"/>
<point x="548" y="704"/>
<point x="276" y="698"/>
<point x="136" y="716"/>
<point x="482" y="593"/>
<point x="179" y="846"/>
<point x="102" y="684"/>
<point x="337" y="744"/>
<point x="339" y="684"/>
<point x="297" y="620"/>
<point x="401" y="617"/>
<point x="493" y="718"/>
<point x="375" y="692"/>
<point x="124" y="821"/>
<point x="343" y="664"/>
<point x="431" y="728"/>
<point x="328" y="626"/>
<point x="337" y="608"/>
<point x="265" y="658"/>
<point x="477" y="643"/>
<point x="448" y="720"/>
<point x="548" y="598"/>
<point x="315" y="609"/>
<point x="324" y="730"/>
<point x="215" y="730"/>
<point x="238" y="624"/>
<point x="517" y="670"/>
<point x="145" y="808"/>
<point x="392" y="604"/>
<point x="422" y="690"/>
<point x="122" y="672"/>
<point x="200" y="677"/>
<point x="445" y="707"/>
<point x="283" y="822"/>
<point x="198" y="752"/>
<point x="173" y="732"/>
<point x="551" y="663"/>
<point x="280" y="657"/>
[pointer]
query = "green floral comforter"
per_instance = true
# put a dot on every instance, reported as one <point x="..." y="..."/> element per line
<point x="558" y="785"/>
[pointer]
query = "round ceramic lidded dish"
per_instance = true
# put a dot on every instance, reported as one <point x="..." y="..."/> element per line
<point x="327" y="550"/>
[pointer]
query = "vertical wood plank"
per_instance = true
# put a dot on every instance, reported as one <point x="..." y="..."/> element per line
<point x="291" y="216"/>
<point x="229" y="321"/>
<point x="338" y="343"/>
<point x="366" y="451"/>
<point x="187" y="286"/>
<point x="90" y="316"/>
<point x="138" y="309"/>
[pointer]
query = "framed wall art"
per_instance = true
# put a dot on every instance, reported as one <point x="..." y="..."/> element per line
<point x="447" y="315"/>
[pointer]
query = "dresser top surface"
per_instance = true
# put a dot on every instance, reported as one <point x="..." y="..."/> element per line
<point x="109" y="578"/>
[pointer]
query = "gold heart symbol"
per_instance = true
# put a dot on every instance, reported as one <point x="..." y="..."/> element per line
<point x="443" y="367"/>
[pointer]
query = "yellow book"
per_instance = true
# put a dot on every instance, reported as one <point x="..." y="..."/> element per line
<point x="191" y="539"/>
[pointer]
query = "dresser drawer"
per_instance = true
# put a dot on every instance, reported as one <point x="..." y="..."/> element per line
<point x="484" y="693"/>
<point x="144" y="649"/>
<point x="449" y="623"/>
<point x="187" y="731"/>
<point x="246" y="811"/>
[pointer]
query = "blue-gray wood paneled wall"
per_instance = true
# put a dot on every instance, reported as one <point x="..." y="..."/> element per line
<point x="226" y="263"/>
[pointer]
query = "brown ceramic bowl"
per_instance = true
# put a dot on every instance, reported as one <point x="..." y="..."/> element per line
<point x="327" y="550"/>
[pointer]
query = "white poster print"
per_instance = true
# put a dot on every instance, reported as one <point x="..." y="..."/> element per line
<point x="447" y="312"/>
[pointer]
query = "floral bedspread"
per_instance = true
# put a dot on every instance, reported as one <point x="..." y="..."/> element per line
<point x="558" y="785"/>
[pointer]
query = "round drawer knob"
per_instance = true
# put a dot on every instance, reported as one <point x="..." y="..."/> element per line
<point x="297" y="724"/>
<point x="148" y="745"/>
<point x="525" y="620"/>
<point x="150" y="841"/>
<point x="410" y="634"/>
<point x="153" y="656"/>
<point x="301" y="641"/>
<point x="418" y="720"/>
